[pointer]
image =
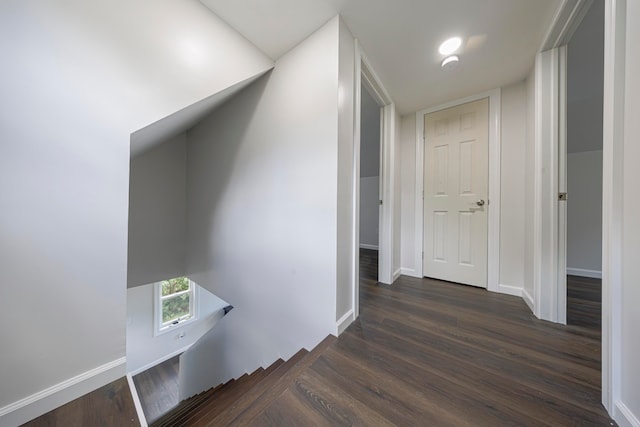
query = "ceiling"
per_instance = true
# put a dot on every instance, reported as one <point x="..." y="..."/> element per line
<point x="401" y="39"/>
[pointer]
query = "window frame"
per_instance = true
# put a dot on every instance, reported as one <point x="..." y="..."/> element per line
<point x="159" y="327"/>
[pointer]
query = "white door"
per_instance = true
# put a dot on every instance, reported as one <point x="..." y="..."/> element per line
<point x="456" y="182"/>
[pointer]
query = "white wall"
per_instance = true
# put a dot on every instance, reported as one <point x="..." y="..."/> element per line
<point x="512" y="185"/>
<point x="407" y="154"/>
<point x="529" y="291"/>
<point x="145" y="350"/>
<point x="158" y="213"/>
<point x="369" y="170"/>
<point x="629" y="313"/>
<point x="584" y="213"/>
<point x="262" y="213"/>
<point x="397" y="201"/>
<point x="82" y="76"/>
<point x="346" y="224"/>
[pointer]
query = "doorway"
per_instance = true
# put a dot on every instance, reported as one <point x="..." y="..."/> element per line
<point x="584" y="154"/>
<point x="367" y="80"/>
<point x="370" y="197"/>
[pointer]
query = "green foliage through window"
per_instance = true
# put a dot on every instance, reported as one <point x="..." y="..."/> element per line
<point x="173" y="286"/>
<point x="176" y="300"/>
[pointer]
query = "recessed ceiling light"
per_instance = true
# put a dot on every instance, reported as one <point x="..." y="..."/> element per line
<point x="449" y="46"/>
<point x="450" y="62"/>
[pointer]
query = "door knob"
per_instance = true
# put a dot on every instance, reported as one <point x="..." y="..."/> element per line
<point x="480" y="202"/>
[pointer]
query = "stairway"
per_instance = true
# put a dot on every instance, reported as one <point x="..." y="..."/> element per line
<point x="239" y="401"/>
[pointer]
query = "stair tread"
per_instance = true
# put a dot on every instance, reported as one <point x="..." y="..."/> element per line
<point x="238" y="402"/>
<point x="183" y="407"/>
<point x="227" y="395"/>
<point x="255" y="400"/>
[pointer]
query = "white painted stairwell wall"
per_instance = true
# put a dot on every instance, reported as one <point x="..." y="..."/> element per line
<point x="77" y="78"/>
<point x="262" y="213"/>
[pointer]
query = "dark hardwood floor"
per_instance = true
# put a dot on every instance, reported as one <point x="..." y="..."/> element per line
<point x="108" y="406"/>
<point x="584" y="302"/>
<point x="368" y="265"/>
<point x="157" y="388"/>
<point x="425" y="352"/>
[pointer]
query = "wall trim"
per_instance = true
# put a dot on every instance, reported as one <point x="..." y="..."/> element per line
<point x="397" y="274"/>
<point x="40" y="403"/>
<point x="409" y="272"/>
<point x="345" y="321"/>
<point x="594" y="274"/>
<point x="528" y="300"/>
<point x="493" y="220"/>
<point x="136" y="401"/>
<point x="368" y="246"/>
<point x="516" y="291"/>
<point x="159" y="360"/>
<point x="624" y="417"/>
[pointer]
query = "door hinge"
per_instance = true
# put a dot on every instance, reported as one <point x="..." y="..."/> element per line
<point x="562" y="196"/>
<point x="380" y="202"/>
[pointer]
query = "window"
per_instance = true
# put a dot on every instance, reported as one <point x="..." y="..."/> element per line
<point x="175" y="303"/>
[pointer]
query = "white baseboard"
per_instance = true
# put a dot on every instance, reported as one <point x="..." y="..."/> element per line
<point x="40" y="403"/>
<point x="396" y="274"/>
<point x="366" y="246"/>
<point x="508" y="290"/>
<point x="409" y="272"/>
<point x="528" y="300"/>
<point x="344" y="322"/>
<point x="136" y="401"/>
<point x="624" y="417"/>
<point x="158" y="361"/>
<point x="594" y="274"/>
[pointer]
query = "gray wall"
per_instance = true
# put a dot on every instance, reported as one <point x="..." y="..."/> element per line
<point x="584" y="143"/>
<point x="369" y="170"/>
<point x="158" y="213"/>
<point x="584" y="216"/>
<point x="512" y="185"/>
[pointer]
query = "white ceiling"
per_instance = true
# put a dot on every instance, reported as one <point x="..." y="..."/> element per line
<point x="401" y="38"/>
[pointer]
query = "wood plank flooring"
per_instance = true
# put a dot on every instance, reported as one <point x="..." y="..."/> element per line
<point x="108" y="406"/>
<point x="584" y="302"/>
<point x="425" y="352"/>
<point x="157" y="388"/>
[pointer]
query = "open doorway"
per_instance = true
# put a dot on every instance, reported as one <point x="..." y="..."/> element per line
<point x="584" y="95"/>
<point x="370" y="132"/>
<point x="368" y="84"/>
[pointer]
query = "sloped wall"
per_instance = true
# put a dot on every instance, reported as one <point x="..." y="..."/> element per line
<point x="158" y="213"/>
<point x="262" y="191"/>
<point x="76" y="80"/>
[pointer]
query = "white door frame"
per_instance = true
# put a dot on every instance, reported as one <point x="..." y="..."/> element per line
<point x="612" y="200"/>
<point x="364" y="74"/>
<point x="612" y="197"/>
<point x="493" y="238"/>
